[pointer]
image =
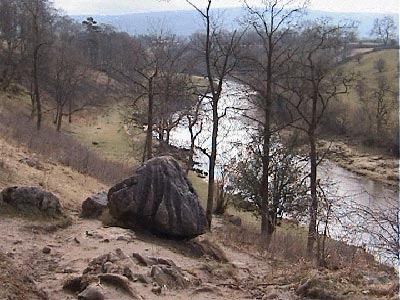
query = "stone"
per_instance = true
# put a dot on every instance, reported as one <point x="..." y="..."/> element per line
<point x="158" y="198"/>
<point x="46" y="250"/>
<point x="171" y="277"/>
<point x="151" y="261"/>
<point x="316" y="288"/>
<point x="156" y="290"/>
<point x="92" y="292"/>
<point x="94" y="205"/>
<point x="32" y="162"/>
<point x="200" y="247"/>
<point x="26" y="199"/>
<point x="73" y="284"/>
<point x="235" y="220"/>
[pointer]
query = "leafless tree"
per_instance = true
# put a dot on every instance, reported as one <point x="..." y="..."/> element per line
<point x="66" y="69"/>
<point x="383" y="99"/>
<point x="384" y="28"/>
<point x="217" y="50"/>
<point x="11" y="48"/>
<point x="379" y="223"/>
<point x="313" y="83"/>
<point x="37" y="35"/>
<point x="268" y="49"/>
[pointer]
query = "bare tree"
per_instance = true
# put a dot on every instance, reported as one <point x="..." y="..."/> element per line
<point x="313" y="83"/>
<point x="11" y="48"/>
<point x="379" y="96"/>
<point x="195" y="126"/>
<point x="218" y="49"/>
<point x="66" y="69"/>
<point x="267" y="51"/>
<point x="384" y="29"/>
<point x="38" y="21"/>
<point x="379" y="223"/>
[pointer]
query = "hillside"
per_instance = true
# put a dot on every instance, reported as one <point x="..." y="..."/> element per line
<point x="250" y="272"/>
<point x="356" y="144"/>
<point x="182" y="22"/>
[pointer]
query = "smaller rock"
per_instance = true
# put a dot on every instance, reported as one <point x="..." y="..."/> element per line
<point x="235" y="220"/>
<point x="68" y="270"/>
<point x="203" y="247"/>
<point x="142" y="278"/>
<point x="157" y="290"/>
<point x="207" y="289"/>
<point x="94" y="205"/>
<point x="27" y="199"/>
<point x="151" y="261"/>
<point x="171" y="277"/>
<point x="92" y="292"/>
<point x="46" y="250"/>
<point x="73" y="284"/>
<point x="32" y="162"/>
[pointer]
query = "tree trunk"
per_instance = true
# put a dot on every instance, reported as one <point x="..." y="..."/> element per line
<point x="33" y="102"/>
<point x="312" y="228"/>
<point x="70" y="111"/>
<point x="59" y="119"/>
<point x="266" y="225"/>
<point x="213" y="159"/>
<point x="168" y="135"/>
<point x="56" y="116"/>
<point x="36" y="88"/>
<point x="149" y="135"/>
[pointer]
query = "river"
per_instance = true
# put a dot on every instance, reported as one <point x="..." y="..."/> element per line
<point x="348" y="191"/>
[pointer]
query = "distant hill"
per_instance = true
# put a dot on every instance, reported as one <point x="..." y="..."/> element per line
<point x="186" y="22"/>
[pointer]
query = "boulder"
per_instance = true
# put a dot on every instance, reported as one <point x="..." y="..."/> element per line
<point x="158" y="198"/>
<point x="27" y="198"/>
<point x="92" y="292"/>
<point x="94" y="205"/>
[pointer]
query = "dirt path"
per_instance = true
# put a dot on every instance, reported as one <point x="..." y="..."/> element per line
<point x="73" y="248"/>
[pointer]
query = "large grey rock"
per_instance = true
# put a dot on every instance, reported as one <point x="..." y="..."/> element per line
<point x="158" y="198"/>
<point x="94" y="205"/>
<point x="27" y="198"/>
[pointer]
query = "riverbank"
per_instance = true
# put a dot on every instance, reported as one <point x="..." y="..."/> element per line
<point x="364" y="161"/>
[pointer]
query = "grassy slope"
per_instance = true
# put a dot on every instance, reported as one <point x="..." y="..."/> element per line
<point x="72" y="187"/>
<point x="369" y="75"/>
<point x="104" y="132"/>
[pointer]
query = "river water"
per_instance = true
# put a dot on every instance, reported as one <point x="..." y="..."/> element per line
<point x="347" y="190"/>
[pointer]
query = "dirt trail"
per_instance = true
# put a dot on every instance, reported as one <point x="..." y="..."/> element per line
<point x="74" y="247"/>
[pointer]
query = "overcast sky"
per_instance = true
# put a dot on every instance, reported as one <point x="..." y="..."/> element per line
<point x="84" y="7"/>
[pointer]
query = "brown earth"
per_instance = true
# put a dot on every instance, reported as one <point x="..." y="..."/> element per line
<point x="26" y="269"/>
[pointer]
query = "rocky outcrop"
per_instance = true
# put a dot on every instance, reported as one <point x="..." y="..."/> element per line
<point x="158" y="198"/>
<point x="202" y="247"/>
<point x="29" y="199"/>
<point x="94" y="205"/>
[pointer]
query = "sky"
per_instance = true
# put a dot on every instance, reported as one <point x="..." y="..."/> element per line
<point x="109" y="7"/>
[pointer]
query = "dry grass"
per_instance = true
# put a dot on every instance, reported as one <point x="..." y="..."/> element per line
<point x="350" y="105"/>
<point x="14" y="284"/>
<point x="103" y="131"/>
<point x="18" y="126"/>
